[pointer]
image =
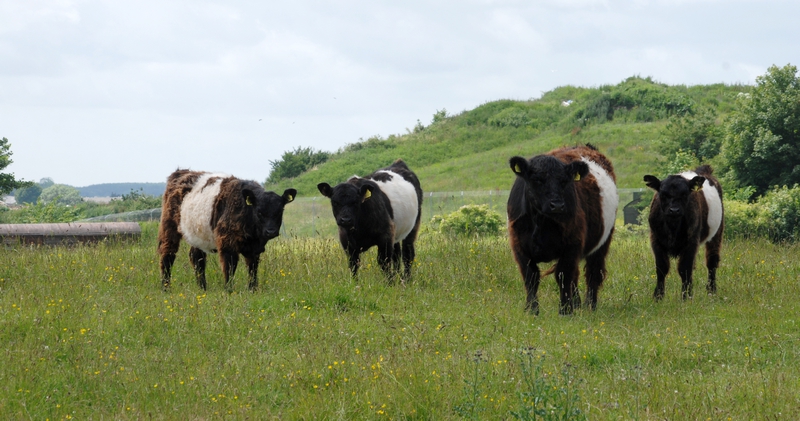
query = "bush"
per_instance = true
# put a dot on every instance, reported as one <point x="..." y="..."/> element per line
<point x="62" y="194"/>
<point x="744" y="220"/>
<point x="781" y="207"/>
<point x="470" y="220"/>
<point x="776" y="216"/>
<point x="42" y="213"/>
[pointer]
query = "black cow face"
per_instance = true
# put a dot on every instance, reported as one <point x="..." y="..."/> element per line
<point x="551" y="181"/>
<point x="268" y="208"/>
<point x="346" y="201"/>
<point x="673" y="193"/>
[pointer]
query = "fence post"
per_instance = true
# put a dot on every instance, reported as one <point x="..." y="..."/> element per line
<point x="313" y="217"/>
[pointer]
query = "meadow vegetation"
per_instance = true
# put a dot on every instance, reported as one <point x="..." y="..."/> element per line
<point x="88" y="333"/>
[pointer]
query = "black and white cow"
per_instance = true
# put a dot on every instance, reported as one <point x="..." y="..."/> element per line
<point x="383" y="210"/>
<point x="218" y="213"/>
<point x="562" y="207"/>
<point x="686" y="212"/>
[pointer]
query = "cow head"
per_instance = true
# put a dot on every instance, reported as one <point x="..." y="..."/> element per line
<point x="268" y="209"/>
<point x="673" y="193"/>
<point x="346" y="201"/>
<point x="551" y="182"/>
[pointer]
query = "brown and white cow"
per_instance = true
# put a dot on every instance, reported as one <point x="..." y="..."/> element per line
<point x="218" y="213"/>
<point x="686" y="212"/>
<point x="562" y="207"/>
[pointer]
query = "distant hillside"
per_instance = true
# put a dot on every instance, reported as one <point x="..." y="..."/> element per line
<point x="118" y="189"/>
<point x="470" y="150"/>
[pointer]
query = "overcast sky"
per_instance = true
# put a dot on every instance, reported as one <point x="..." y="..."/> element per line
<point x="127" y="91"/>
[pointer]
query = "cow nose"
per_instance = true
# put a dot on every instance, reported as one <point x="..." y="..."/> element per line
<point x="674" y="210"/>
<point x="272" y="233"/>
<point x="345" y="220"/>
<point x="557" y="206"/>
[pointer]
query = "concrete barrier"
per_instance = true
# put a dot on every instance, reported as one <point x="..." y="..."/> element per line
<point x="67" y="233"/>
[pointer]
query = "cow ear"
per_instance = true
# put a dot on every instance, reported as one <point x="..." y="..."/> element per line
<point x="249" y="197"/>
<point x="577" y="170"/>
<point x="652" y="182"/>
<point x="289" y="195"/>
<point x="366" y="192"/>
<point x="325" y="189"/>
<point x="519" y="165"/>
<point x="696" y="184"/>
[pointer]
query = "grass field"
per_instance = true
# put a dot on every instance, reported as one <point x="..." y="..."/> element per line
<point x="88" y="334"/>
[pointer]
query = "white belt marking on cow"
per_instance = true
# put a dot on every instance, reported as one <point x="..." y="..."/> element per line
<point x="609" y="199"/>
<point x="196" y="210"/>
<point x="403" y="197"/>
<point x="714" y="205"/>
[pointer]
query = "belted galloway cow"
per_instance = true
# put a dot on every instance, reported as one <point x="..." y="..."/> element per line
<point x="562" y="207"/>
<point x="382" y="209"/>
<point x="686" y="212"/>
<point x="218" y="213"/>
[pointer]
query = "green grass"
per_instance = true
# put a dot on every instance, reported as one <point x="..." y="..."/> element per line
<point x="87" y="333"/>
<point x="470" y="150"/>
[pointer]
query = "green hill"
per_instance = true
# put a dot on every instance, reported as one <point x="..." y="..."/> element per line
<point x="470" y="150"/>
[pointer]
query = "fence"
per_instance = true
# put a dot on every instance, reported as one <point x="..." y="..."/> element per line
<point x="312" y="216"/>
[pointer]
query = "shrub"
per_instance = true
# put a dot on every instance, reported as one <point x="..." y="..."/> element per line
<point x="41" y="213"/>
<point x="776" y="216"/>
<point x="470" y="220"/>
<point x="62" y="194"/>
<point x="781" y="207"/>
<point x="744" y="220"/>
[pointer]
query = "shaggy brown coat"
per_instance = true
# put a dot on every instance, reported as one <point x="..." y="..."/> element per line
<point x="556" y="211"/>
<point x="226" y="215"/>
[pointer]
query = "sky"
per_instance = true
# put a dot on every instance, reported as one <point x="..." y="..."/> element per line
<point x="128" y="91"/>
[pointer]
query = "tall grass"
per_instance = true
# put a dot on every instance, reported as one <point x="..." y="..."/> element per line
<point x="88" y="334"/>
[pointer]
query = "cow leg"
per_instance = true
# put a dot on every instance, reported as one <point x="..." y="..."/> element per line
<point x="198" y="259"/>
<point x="354" y="259"/>
<point x="567" y="278"/>
<point x="595" y="273"/>
<point x="169" y="240"/>
<point x="685" y="267"/>
<point x="385" y="260"/>
<point x="396" y="254"/>
<point x="662" y="269"/>
<point x="409" y="254"/>
<point x="712" y="262"/>
<point x="531" y="277"/>
<point x="228" y="261"/>
<point x="252" y="270"/>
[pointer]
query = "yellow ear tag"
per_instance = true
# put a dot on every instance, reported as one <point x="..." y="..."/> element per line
<point x="367" y="195"/>
<point x="247" y="200"/>
<point x="291" y="198"/>
<point x="517" y="169"/>
<point x="697" y="188"/>
<point x="577" y="176"/>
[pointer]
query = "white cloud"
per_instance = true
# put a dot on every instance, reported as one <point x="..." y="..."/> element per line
<point x="173" y="83"/>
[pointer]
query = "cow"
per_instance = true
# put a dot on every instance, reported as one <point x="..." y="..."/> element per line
<point x="685" y="213"/>
<point x="382" y="209"/>
<point x="562" y="207"/>
<point x="216" y="212"/>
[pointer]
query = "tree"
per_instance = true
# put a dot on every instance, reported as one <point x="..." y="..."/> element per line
<point x="28" y="194"/>
<point x="7" y="181"/>
<point x="295" y="162"/>
<point x="46" y="182"/>
<point x="762" y="140"/>
<point x="62" y="194"/>
<point x="697" y="133"/>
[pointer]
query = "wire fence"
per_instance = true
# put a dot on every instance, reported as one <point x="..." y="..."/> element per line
<point x="312" y="216"/>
